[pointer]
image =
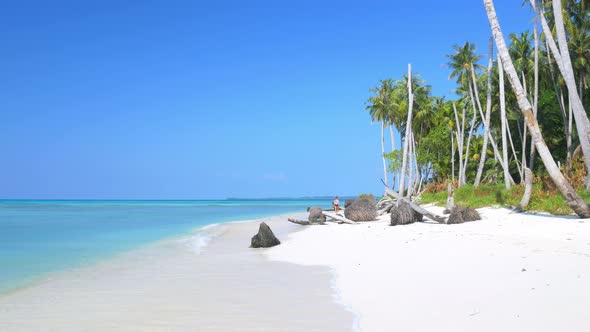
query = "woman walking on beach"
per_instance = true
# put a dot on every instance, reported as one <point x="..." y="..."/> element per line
<point x="336" y="204"/>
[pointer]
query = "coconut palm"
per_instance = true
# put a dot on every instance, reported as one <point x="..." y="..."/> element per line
<point x="460" y="63"/>
<point x="379" y="106"/>
<point x="521" y="52"/>
<point x="574" y="201"/>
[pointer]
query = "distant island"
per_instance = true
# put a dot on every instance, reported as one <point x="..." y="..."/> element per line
<point x="310" y="198"/>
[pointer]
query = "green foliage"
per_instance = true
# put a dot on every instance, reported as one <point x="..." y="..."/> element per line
<point x="435" y="126"/>
<point x="395" y="161"/>
<point x="370" y="197"/>
<point x="499" y="196"/>
<point x="434" y="149"/>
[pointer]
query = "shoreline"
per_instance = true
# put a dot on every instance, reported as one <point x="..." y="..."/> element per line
<point x="196" y="233"/>
<point x="167" y="285"/>
<point x="507" y="272"/>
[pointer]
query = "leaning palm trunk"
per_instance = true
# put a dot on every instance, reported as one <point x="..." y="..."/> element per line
<point x="486" y="123"/>
<point x="536" y="93"/>
<point x="518" y="168"/>
<point x="452" y="157"/>
<point x="504" y="123"/>
<point x="563" y="61"/>
<point x="569" y="130"/>
<point x="383" y="152"/>
<point x="559" y="94"/>
<point x="411" y="166"/>
<point x="489" y="136"/>
<point x="524" y="132"/>
<point x="574" y="201"/>
<point x="402" y="180"/>
<point x="460" y="134"/>
<point x="391" y="135"/>
<point x="471" y="130"/>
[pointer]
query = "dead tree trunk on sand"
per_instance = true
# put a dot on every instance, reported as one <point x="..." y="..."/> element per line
<point x="416" y="207"/>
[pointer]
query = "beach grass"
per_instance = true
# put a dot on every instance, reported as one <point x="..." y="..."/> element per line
<point x="542" y="199"/>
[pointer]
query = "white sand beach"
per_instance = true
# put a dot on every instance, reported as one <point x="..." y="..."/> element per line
<point x="508" y="272"/>
<point x="170" y="287"/>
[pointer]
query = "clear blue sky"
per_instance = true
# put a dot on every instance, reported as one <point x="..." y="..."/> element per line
<point x="210" y="99"/>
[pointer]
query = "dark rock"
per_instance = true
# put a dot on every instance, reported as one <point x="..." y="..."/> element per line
<point x="348" y="202"/>
<point x="265" y="238"/>
<point x="403" y="214"/>
<point x="460" y="215"/>
<point x="362" y="209"/>
<point x="316" y="215"/>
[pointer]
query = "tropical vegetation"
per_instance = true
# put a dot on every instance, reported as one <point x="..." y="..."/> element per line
<point x="522" y="104"/>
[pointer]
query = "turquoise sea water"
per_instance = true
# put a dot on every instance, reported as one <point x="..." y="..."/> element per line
<point x="39" y="237"/>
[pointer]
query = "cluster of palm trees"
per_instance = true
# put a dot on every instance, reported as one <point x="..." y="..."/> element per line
<point x="529" y="101"/>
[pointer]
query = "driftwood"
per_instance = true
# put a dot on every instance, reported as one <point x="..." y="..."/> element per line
<point x="305" y="222"/>
<point x="528" y="190"/>
<point x="338" y="217"/>
<point x="416" y="207"/>
<point x="385" y="205"/>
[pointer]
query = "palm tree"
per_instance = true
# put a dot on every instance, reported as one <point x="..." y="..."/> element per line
<point x="579" y="44"/>
<point x="482" y="159"/>
<point x="521" y="52"/>
<point x="463" y="64"/>
<point x="421" y="112"/>
<point x="563" y="61"/>
<point x="379" y="108"/>
<point x="408" y="132"/>
<point x="461" y="61"/>
<point x="574" y="201"/>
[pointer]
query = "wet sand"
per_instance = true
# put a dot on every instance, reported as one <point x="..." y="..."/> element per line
<point x="170" y="287"/>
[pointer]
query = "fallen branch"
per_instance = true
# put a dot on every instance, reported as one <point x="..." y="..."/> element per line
<point x="304" y="222"/>
<point x="416" y="207"/>
<point x="338" y="217"/>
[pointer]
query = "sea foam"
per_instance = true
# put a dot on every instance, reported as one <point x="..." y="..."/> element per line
<point x="203" y="236"/>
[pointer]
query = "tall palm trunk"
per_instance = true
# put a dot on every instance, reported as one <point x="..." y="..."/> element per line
<point x="570" y="128"/>
<point x="471" y="130"/>
<point x="518" y="168"/>
<point x="536" y="93"/>
<point x="574" y="201"/>
<point x="391" y="135"/>
<point x="562" y="58"/>
<point x="411" y="165"/>
<point x="460" y="133"/>
<point x="524" y="132"/>
<point x="402" y="180"/>
<point x="486" y="123"/>
<point x="503" y="123"/>
<point x="560" y="102"/>
<point x="452" y="157"/>
<point x="383" y="153"/>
